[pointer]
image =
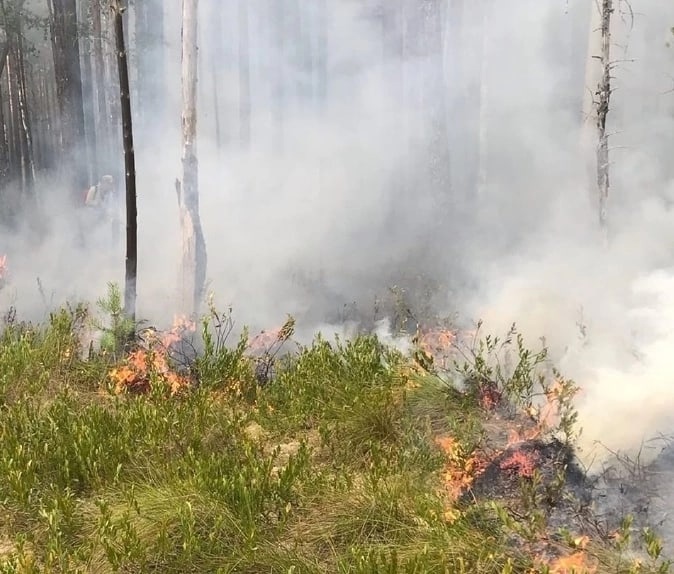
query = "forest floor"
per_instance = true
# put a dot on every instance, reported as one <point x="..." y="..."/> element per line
<point x="340" y="456"/>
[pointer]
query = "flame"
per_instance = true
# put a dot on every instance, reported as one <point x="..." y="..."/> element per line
<point x="460" y="471"/>
<point x="141" y="365"/>
<point x="576" y="563"/>
<point x="437" y="344"/>
<point x="517" y="436"/>
<point x="3" y="266"/>
<point x="520" y="463"/>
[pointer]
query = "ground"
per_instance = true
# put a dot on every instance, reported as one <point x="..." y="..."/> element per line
<point x="348" y="457"/>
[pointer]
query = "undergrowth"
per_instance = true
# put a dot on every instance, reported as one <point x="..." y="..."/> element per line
<point x="154" y="459"/>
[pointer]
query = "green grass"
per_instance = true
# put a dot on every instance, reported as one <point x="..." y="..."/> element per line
<point x="332" y="467"/>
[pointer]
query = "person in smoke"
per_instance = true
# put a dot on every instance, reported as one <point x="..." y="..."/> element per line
<point x="102" y="204"/>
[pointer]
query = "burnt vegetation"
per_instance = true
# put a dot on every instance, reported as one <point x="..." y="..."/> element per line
<point x="410" y="444"/>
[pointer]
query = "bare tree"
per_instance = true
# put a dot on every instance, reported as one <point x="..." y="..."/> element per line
<point x="603" y="100"/>
<point x="193" y="243"/>
<point x="129" y="165"/>
<point x="596" y="105"/>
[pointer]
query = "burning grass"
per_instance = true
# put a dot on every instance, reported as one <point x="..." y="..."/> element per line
<point x="174" y="456"/>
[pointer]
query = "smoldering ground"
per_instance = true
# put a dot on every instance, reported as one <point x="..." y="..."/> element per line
<point x="460" y="169"/>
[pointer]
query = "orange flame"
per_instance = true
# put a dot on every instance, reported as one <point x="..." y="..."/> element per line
<point x="141" y="366"/>
<point x="459" y="471"/>
<point x="520" y="463"/>
<point x="576" y="563"/>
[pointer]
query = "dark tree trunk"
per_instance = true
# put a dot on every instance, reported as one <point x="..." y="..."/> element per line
<point x="66" y="46"/>
<point x="129" y="165"/>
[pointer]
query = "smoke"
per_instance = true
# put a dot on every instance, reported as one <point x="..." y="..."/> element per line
<point x="467" y="173"/>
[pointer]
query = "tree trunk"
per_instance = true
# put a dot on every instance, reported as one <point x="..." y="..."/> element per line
<point x="111" y="86"/>
<point x="88" y="88"/>
<point x="102" y="119"/>
<point x="434" y="102"/>
<point x="278" y="46"/>
<point x="322" y="55"/>
<point x="65" y="42"/>
<point x="602" y="103"/>
<point x="27" y="160"/>
<point x="129" y="165"/>
<point x="484" y="85"/>
<point x="244" y="76"/>
<point x="193" y="244"/>
<point x="149" y="16"/>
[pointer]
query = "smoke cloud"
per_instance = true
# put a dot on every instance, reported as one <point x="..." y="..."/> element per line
<point x="466" y="171"/>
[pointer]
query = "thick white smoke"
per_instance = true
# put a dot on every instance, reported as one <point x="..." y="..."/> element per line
<point x="347" y="207"/>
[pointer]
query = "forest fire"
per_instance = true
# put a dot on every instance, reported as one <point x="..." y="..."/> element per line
<point x="3" y="268"/>
<point x="152" y="363"/>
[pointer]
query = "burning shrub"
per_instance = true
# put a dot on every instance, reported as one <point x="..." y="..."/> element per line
<point x="144" y="369"/>
<point x="151" y="366"/>
<point x="520" y="463"/>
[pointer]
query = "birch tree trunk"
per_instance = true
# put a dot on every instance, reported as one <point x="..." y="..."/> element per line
<point x="603" y="101"/>
<point x="131" y="266"/>
<point x="594" y="137"/>
<point x="193" y="244"/>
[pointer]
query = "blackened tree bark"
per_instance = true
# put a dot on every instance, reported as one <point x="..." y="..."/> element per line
<point x="129" y="165"/>
<point x="66" y="46"/>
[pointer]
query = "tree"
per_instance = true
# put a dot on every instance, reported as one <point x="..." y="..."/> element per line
<point x="277" y="22"/>
<point x="244" y="76"/>
<point x="66" y="54"/>
<point x="129" y="165"/>
<point x="150" y="61"/>
<point x="193" y="243"/>
<point x="602" y="103"/>
<point x="597" y="101"/>
<point x="102" y="120"/>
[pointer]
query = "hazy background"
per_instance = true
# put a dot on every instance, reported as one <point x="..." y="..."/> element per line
<point x="464" y="170"/>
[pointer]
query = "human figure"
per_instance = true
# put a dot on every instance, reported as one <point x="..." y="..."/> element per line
<point x="103" y="204"/>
